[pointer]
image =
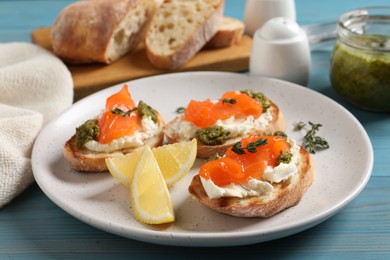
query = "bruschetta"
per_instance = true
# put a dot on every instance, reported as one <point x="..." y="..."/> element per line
<point x="259" y="176"/>
<point x="122" y="127"/>
<point x="218" y="124"/>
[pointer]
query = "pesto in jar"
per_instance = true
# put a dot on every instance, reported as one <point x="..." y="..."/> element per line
<point x="362" y="77"/>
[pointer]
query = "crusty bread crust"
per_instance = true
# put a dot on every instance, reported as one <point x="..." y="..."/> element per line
<point x="159" y="49"/>
<point x="229" y="33"/>
<point x="88" y="161"/>
<point x="84" y="160"/>
<point x="207" y="151"/>
<point x="285" y="194"/>
<point x="100" y="30"/>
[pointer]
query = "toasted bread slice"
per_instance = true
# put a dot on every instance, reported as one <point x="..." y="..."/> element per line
<point x="229" y="33"/>
<point x="206" y="151"/>
<point x="180" y="29"/>
<point x="84" y="160"/>
<point x="285" y="194"/>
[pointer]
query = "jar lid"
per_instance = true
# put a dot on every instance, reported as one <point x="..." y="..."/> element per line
<point x="366" y="28"/>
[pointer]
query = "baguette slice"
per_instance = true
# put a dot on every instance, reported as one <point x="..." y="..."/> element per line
<point x="207" y="151"/>
<point x="285" y="194"/>
<point x="100" y="30"/>
<point x="229" y="33"/>
<point x="180" y="29"/>
<point x="89" y="161"/>
<point x="84" y="160"/>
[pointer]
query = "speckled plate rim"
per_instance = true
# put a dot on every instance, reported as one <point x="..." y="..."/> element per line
<point x="327" y="196"/>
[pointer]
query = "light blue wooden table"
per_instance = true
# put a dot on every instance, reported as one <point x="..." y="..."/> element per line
<point x="33" y="227"/>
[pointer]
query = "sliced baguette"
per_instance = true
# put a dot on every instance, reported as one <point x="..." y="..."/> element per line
<point x="229" y="33"/>
<point x="285" y="194"/>
<point x="180" y="29"/>
<point x="100" y="30"/>
<point x="84" y="160"/>
<point x="207" y="151"/>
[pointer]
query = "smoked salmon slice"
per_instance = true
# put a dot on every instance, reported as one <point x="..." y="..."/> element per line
<point x="233" y="103"/>
<point x="120" y="117"/>
<point x="240" y="167"/>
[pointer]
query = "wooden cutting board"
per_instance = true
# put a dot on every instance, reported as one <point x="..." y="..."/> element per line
<point x="91" y="78"/>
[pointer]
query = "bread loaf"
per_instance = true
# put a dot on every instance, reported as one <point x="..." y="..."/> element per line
<point x="180" y="29"/>
<point x="100" y="30"/>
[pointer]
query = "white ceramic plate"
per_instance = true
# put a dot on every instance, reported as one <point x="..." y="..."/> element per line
<point x="99" y="200"/>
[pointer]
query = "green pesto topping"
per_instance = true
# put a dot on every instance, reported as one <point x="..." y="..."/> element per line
<point x="146" y="110"/>
<point x="213" y="135"/>
<point x="285" y="157"/>
<point x="362" y="77"/>
<point x="260" y="97"/>
<point x="281" y="134"/>
<point x="87" y="132"/>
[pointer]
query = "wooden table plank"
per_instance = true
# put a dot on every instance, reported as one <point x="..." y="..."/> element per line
<point x="24" y="232"/>
<point x="33" y="227"/>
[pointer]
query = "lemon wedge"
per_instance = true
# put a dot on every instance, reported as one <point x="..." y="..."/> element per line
<point x="175" y="160"/>
<point x="123" y="167"/>
<point x="151" y="202"/>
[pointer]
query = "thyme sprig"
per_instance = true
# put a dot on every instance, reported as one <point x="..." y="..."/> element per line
<point x="228" y="101"/>
<point x="312" y="142"/>
<point x="120" y="112"/>
<point x="251" y="147"/>
<point x="180" y="110"/>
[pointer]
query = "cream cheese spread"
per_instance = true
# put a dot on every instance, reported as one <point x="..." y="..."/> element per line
<point x="236" y="126"/>
<point x="148" y="130"/>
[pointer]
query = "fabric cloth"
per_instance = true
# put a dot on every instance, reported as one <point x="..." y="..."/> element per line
<point x="35" y="86"/>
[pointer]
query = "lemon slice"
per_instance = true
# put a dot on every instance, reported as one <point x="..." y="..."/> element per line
<point x="122" y="167"/>
<point x="175" y="160"/>
<point x="151" y="202"/>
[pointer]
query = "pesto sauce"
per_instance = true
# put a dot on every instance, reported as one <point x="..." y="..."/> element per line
<point x="259" y="97"/>
<point x="361" y="77"/>
<point x="285" y="157"/>
<point x="145" y="110"/>
<point x="87" y="132"/>
<point x="214" y="135"/>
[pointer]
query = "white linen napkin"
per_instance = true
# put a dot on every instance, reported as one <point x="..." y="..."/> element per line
<point x="35" y="86"/>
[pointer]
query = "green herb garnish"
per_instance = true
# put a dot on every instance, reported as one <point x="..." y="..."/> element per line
<point x="299" y="126"/>
<point x="251" y="147"/>
<point x="228" y="101"/>
<point x="180" y="110"/>
<point x="312" y="142"/>
<point x="120" y="112"/>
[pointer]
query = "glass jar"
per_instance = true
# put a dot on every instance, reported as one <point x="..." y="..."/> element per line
<point x="360" y="64"/>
